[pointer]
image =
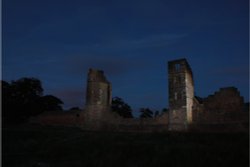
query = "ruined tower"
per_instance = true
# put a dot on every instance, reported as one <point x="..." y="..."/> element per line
<point x="181" y="94"/>
<point x="98" y="98"/>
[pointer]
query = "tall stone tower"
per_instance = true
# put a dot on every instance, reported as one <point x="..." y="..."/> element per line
<point x="181" y="94"/>
<point x="98" y="99"/>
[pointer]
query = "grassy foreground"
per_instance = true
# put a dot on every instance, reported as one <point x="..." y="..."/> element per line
<point x="39" y="146"/>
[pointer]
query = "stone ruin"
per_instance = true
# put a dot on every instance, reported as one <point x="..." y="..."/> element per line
<point x="186" y="111"/>
<point x="98" y="113"/>
<point x="98" y="99"/>
<point x="223" y="111"/>
<point x="181" y="94"/>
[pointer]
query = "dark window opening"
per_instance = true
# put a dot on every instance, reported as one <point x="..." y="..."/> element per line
<point x="177" y="67"/>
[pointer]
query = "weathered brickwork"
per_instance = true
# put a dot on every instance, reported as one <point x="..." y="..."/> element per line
<point x="181" y="94"/>
<point x="60" y="118"/>
<point x="98" y="114"/>
<point x="157" y="124"/>
<point x="98" y="99"/>
<point x="98" y="89"/>
<point x="224" y="106"/>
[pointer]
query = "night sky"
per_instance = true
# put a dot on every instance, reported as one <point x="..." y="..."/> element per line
<point x="57" y="41"/>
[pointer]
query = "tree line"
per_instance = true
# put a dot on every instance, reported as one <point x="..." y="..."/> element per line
<point x="24" y="98"/>
<point x="124" y="110"/>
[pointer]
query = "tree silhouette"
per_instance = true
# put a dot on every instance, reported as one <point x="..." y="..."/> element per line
<point x="26" y="93"/>
<point x="51" y="103"/>
<point x="146" y="113"/>
<point x="74" y="109"/>
<point x="122" y="108"/>
<point x="7" y="101"/>
<point x="27" y="87"/>
<point x="23" y="98"/>
<point x="156" y="113"/>
<point x="164" y="110"/>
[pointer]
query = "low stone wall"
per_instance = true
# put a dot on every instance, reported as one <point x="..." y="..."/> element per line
<point x="158" y="124"/>
<point x="223" y="127"/>
<point x="223" y="107"/>
<point x="59" y="118"/>
<point x="141" y="128"/>
<point x="116" y="123"/>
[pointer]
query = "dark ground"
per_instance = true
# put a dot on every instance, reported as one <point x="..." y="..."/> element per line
<point x="38" y="146"/>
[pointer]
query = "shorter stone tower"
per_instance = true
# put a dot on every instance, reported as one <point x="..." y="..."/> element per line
<point x="181" y="94"/>
<point x="98" y="99"/>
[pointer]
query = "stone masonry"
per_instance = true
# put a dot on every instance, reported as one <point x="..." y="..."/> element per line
<point x="98" y="113"/>
<point x="224" y="106"/>
<point x="98" y="99"/>
<point x="181" y="94"/>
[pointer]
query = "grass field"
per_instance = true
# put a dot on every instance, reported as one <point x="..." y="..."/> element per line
<point x="71" y="147"/>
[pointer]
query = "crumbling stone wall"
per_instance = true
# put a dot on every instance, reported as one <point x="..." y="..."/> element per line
<point x="59" y="118"/>
<point x="181" y="94"/>
<point x="98" y="114"/>
<point x="98" y="89"/>
<point x="98" y="99"/>
<point x="224" y="106"/>
<point x="157" y="124"/>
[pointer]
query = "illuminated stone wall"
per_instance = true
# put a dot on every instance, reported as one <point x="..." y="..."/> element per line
<point x="224" y="106"/>
<point x="181" y="94"/>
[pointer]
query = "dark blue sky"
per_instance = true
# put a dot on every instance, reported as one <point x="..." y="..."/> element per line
<point x="57" y="41"/>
